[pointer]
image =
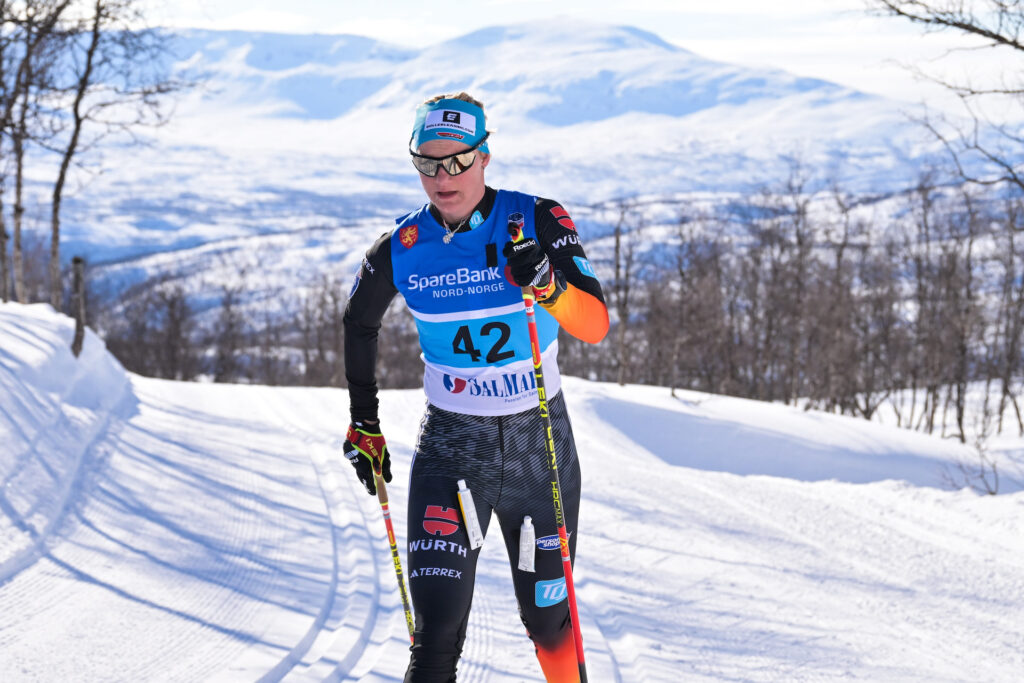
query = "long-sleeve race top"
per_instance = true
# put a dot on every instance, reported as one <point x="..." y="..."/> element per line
<point x="466" y="309"/>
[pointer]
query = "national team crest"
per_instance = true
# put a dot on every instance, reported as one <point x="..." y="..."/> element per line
<point x="516" y="221"/>
<point x="408" y="235"/>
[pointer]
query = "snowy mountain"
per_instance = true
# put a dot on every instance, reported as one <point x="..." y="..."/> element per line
<point x="292" y="137"/>
<point x="183" y="531"/>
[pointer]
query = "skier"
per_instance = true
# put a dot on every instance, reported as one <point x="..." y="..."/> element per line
<point x="460" y="271"/>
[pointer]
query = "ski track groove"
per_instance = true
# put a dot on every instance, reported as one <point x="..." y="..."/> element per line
<point x="909" y="530"/>
<point x="340" y="656"/>
<point x="342" y="651"/>
<point x="91" y="533"/>
<point x="239" y="532"/>
<point x="473" y="666"/>
<point x="584" y="609"/>
<point x="899" y="630"/>
<point x="72" y="480"/>
<point x="358" y="658"/>
<point x="274" y="411"/>
<point x="365" y="652"/>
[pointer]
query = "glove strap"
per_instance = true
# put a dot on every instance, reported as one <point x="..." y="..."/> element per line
<point x="554" y="289"/>
<point x="370" y="443"/>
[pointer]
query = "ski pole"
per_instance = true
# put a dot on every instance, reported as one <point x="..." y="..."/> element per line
<point x="549" y="449"/>
<point x="382" y="496"/>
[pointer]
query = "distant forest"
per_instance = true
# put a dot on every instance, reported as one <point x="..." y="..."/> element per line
<point x="784" y="296"/>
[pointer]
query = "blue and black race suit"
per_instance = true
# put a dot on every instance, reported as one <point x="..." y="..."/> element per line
<point x="482" y="423"/>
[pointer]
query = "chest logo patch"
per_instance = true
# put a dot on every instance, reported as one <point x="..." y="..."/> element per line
<point x="408" y="235"/>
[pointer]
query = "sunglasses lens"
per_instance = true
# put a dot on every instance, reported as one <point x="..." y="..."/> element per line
<point x="427" y="167"/>
<point x="453" y="165"/>
<point x="459" y="163"/>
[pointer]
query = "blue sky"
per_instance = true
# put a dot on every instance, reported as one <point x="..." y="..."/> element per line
<point x="832" y="39"/>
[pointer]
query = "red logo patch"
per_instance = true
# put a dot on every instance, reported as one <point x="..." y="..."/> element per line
<point x="408" y="235"/>
<point x="563" y="218"/>
<point x="440" y="521"/>
<point x="508" y="277"/>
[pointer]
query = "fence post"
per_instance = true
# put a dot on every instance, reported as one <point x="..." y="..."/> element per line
<point x="78" y="303"/>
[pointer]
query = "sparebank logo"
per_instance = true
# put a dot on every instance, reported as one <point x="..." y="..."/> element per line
<point x="548" y="593"/>
<point x="461" y="276"/>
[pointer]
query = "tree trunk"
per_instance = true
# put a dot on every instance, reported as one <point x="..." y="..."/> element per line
<point x="78" y="305"/>
<point x="19" y="208"/>
<point x="84" y="80"/>
<point x="5" y="295"/>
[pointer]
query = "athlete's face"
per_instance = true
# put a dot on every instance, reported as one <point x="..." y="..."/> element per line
<point x="454" y="196"/>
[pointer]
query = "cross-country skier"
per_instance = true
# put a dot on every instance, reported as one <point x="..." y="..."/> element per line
<point x="454" y="263"/>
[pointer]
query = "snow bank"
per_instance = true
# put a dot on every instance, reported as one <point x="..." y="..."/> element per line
<point x="746" y="437"/>
<point x="157" y="530"/>
<point x="53" y="407"/>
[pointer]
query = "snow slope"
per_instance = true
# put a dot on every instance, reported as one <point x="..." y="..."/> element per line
<point x="152" y="530"/>
<point x="291" y="157"/>
<point x="291" y="133"/>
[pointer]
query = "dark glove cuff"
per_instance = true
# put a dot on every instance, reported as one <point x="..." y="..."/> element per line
<point x="560" y="285"/>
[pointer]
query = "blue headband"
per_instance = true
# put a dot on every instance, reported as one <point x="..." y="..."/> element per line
<point x="449" y="120"/>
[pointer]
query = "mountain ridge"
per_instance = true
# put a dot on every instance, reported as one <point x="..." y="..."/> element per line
<point x="294" y="132"/>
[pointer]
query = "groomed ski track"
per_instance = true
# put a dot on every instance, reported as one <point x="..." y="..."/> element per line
<point x="169" y="531"/>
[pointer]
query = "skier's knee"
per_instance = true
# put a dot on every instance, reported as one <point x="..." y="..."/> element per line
<point x="546" y="630"/>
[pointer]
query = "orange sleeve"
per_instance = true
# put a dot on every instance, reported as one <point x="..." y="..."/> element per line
<point x="583" y="315"/>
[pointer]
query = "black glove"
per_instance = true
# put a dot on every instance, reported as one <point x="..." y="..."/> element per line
<point x="366" y="450"/>
<point x="528" y="263"/>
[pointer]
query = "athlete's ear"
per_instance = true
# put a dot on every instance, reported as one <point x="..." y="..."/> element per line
<point x="484" y="160"/>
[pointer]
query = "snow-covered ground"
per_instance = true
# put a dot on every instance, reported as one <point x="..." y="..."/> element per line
<point x="153" y="530"/>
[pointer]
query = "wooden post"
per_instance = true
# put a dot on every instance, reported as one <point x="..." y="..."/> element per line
<point x="4" y="276"/>
<point x="78" y="303"/>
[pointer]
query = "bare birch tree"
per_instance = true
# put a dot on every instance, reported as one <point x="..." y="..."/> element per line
<point x="998" y="25"/>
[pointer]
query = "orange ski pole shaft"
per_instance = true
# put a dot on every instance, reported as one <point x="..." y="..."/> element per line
<point x="382" y="496"/>
<point x="549" y="449"/>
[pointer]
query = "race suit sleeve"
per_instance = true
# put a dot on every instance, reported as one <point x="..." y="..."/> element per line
<point x="372" y="292"/>
<point x="578" y="303"/>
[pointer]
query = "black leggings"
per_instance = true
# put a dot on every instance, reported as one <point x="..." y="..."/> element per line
<point x="503" y="462"/>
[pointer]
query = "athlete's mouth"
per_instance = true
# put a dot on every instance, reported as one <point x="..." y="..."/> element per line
<point x="447" y="195"/>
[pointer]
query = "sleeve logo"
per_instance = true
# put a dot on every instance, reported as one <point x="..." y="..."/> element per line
<point x="584" y="266"/>
<point x="562" y="216"/>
